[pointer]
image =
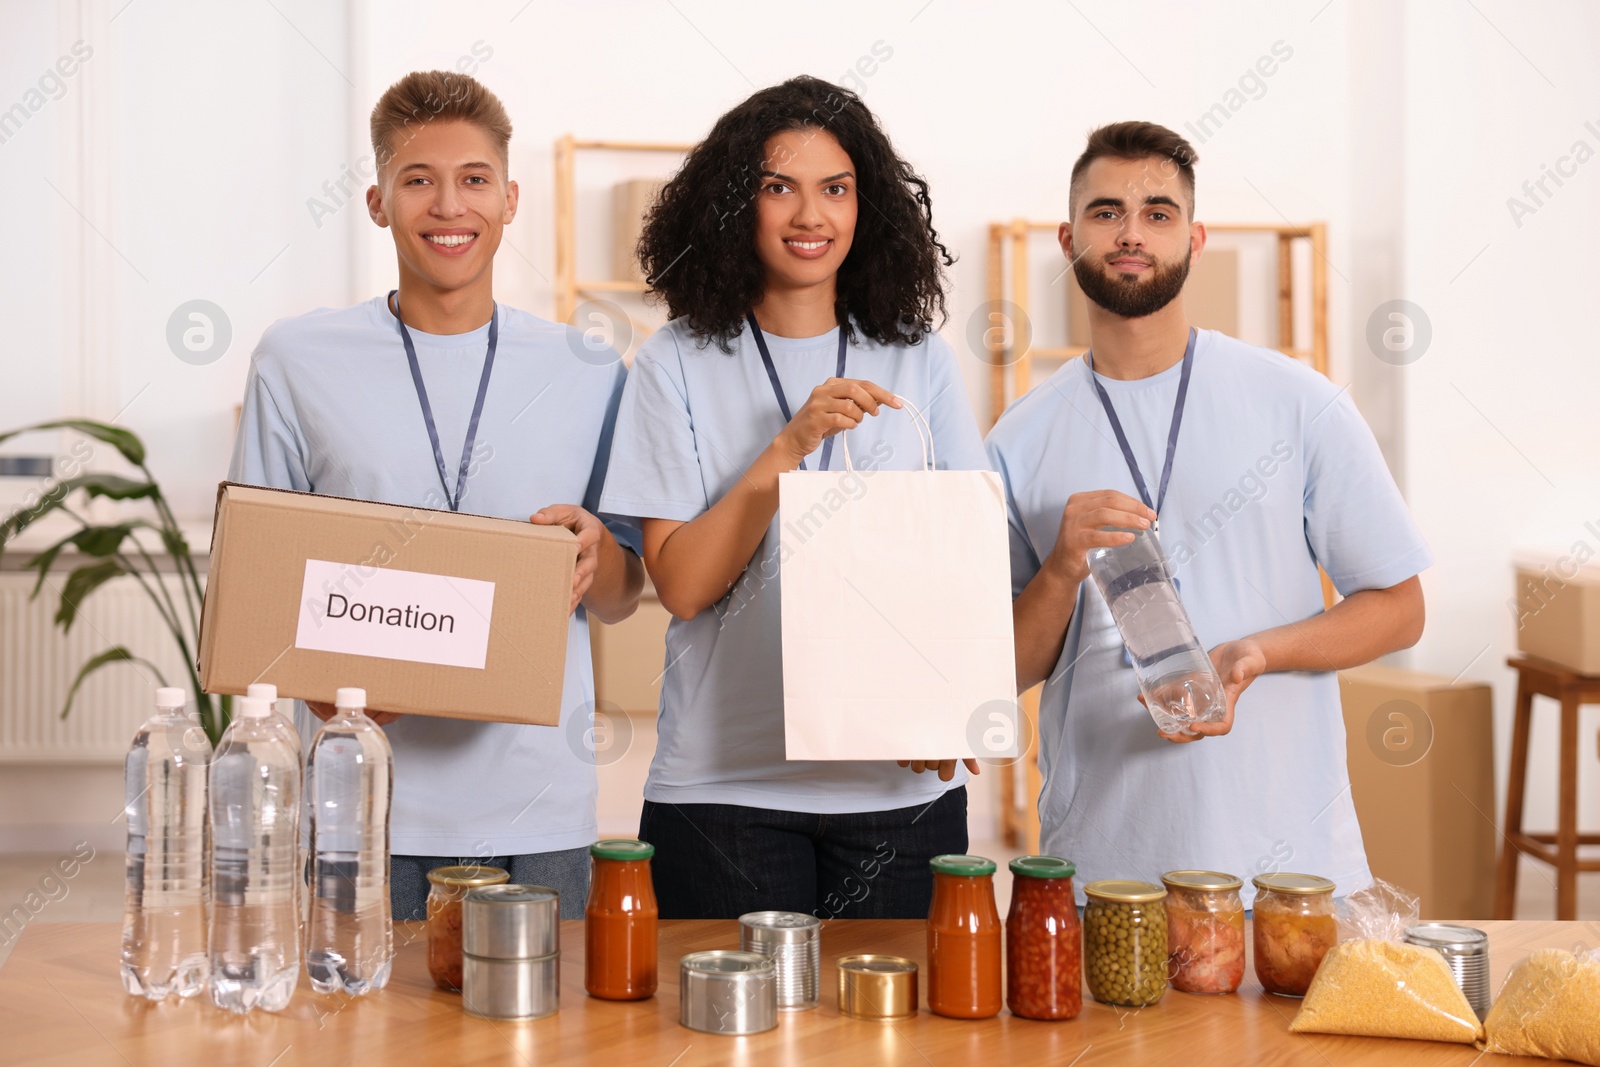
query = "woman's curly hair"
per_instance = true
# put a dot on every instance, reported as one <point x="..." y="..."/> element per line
<point x="698" y="242"/>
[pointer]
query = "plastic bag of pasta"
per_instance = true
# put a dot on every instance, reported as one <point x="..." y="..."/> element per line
<point x="1550" y="1007"/>
<point x="1372" y="984"/>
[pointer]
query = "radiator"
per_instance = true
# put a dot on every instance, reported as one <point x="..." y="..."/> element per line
<point x="38" y="663"/>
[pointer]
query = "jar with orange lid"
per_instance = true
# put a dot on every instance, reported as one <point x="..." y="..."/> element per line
<point x="620" y="922"/>
<point x="447" y="888"/>
<point x="1294" y="927"/>
<point x="1044" y="940"/>
<point x="1205" y="931"/>
<point x="963" y="939"/>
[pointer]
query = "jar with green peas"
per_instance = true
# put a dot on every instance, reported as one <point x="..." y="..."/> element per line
<point x="1125" y="942"/>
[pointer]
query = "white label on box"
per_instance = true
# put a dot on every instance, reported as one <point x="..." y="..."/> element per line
<point x="394" y="614"/>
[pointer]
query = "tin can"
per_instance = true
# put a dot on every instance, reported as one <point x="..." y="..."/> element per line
<point x="1466" y="950"/>
<point x="511" y="989"/>
<point x="728" y="992"/>
<point x="510" y="922"/>
<point x="794" y="941"/>
<point x="877" y="988"/>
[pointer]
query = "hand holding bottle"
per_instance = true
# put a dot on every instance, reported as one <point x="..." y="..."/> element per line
<point x="1087" y="522"/>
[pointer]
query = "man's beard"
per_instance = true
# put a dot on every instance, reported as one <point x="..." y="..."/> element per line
<point x="1132" y="296"/>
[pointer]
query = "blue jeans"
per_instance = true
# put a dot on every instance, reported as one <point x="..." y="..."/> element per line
<point x="567" y="872"/>
<point x="719" y="861"/>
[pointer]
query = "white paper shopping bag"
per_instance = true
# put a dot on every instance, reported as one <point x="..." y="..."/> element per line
<point x="897" y="640"/>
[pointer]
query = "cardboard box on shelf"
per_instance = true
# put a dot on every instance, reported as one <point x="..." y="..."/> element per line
<point x="1421" y="756"/>
<point x="630" y="200"/>
<point x="1558" y="614"/>
<point x="630" y="657"/>
<point x="432" y="612"/>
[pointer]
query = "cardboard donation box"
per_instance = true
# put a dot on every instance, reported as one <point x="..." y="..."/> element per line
<point x="1558" y="614"/>
<point x="1421" y="754"/>
<point x="432" y="612"/>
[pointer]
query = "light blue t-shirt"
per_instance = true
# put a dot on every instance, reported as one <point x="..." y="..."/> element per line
<point x="330" y="408"/>
<point x="1275" y="472"/>
<point x="693" y="419"/>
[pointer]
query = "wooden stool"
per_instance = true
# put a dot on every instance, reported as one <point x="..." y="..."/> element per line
<point x="1560" y="849"/>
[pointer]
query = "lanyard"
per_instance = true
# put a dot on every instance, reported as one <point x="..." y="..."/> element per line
<point x="427" y="409"/>
<point x="777" y="386"/>
<point x="1172" y="434"/>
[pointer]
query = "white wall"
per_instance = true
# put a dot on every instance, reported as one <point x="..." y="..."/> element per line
<point x="1404" y="127"/>
<point x="1499" y="412"/>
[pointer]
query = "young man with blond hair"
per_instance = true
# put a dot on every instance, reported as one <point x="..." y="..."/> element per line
<point x="1259" y="470"/>
<point x="434" y="395"/>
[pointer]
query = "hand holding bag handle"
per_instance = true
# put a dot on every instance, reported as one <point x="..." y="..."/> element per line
<point x="924" y="437"/>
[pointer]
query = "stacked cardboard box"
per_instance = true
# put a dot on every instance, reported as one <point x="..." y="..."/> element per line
<point x="1421" y="754"/>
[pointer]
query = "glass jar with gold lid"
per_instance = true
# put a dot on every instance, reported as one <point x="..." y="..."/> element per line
<point x="1294" y="927"/>
<point x="1205" y="931"/>
<point x="1125" y="942"/>
<point x="447" y="887"/>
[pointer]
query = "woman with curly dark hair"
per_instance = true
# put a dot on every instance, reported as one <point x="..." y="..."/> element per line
<point x="796" y="255"/>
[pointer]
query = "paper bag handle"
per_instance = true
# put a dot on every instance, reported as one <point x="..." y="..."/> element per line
<point x="920" y="421"/>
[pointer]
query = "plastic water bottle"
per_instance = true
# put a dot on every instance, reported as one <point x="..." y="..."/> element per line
<point x="277" y="720"/>
<point x="255" y="829"/>
<point x="1179" y="682"/>
<point x="350" y="774"/>
<point x="164" y="921"/>
<point x="286" y="729"/>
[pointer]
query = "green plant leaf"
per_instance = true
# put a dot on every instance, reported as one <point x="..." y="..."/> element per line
<point x="114" y="486"/>
<point x="13" y="524"/>
<point x="124" y="441"/>
<point x="97" y="483"/>
<point x="115" y="654"/>
<point x="172" y="538"/>
<point x="102" y="541"/>
<point x="43" y="561"/>
<point x="82" y="582"/>
<point x="98" y="541"/>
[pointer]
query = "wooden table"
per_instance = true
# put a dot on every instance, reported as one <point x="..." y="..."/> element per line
<point x="61" y="1003"/>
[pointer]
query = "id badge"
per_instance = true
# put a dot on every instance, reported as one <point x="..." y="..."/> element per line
<point x="1127" y="657"/>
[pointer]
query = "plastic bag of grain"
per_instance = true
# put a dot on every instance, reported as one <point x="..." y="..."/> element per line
<point x="1550" y="1007"/>
<point x="1372" y="984"/>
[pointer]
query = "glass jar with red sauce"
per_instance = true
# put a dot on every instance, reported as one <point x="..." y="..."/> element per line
<point x="963" y="939"/>
<point x="1044" y="940"/>
<point x="1205" y="931"/>
<point x="620" y="922"/>
<point x="447" y="888"/>
<point x="1294" y="926"/>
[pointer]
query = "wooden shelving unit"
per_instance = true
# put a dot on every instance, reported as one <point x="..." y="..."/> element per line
<point x="1009" y="243"/>
<point x="1011" y="240"/>
<point x="569" y="287"/>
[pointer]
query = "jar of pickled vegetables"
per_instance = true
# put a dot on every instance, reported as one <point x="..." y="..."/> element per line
<point x="963" y="939"/>
<point x="1294" y="928"/>
<point x="1125" y="942"/>
<point x="1205" y="931"/>
<point x="1044" y="941"/>
<point x="447" y="888"/>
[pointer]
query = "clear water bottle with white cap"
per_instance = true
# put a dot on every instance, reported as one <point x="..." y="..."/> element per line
<point x="350" y="775"/>
<point x="277" y="720"/>
<point x="1179" y="682"/>
<point x="255" y="830"/>
<point x="164" y="920"/>
<point x="291" y="736"/>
